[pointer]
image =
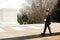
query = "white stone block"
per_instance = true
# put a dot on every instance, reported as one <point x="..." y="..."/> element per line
<point x="8" y="16"/>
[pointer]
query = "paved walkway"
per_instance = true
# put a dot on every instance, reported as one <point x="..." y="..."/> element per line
<point x="26" y="30"/>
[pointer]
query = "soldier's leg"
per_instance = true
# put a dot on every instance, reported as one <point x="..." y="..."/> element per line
<point x="49" y="29"/>
<point x="45" y="29"/>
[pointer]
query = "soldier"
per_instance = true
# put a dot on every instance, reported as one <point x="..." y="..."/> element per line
<point x="47" y="22"/>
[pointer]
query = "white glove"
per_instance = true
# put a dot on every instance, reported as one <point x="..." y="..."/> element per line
<point x="44" y="19"/>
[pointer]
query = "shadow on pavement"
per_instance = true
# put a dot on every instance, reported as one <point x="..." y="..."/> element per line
<point x="32" y="36"/>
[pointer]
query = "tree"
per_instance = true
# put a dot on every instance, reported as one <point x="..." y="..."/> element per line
<point x="35" y="9"/>
<point x="56" y="12"/>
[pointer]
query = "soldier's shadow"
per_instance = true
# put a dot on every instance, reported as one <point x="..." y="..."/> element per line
<point x="32" y="36"/>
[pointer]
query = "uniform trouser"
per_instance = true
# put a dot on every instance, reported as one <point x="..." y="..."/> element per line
<point x="46" y="28"/>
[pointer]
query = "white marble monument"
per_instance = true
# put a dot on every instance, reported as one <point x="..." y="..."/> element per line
<point x="8" y="17"/>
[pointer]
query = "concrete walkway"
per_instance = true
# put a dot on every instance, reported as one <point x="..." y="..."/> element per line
<point x="26" y="30"/>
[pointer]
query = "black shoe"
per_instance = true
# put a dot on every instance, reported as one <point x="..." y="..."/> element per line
<point x="50" y="34"/>
<point x="42" y="33"/>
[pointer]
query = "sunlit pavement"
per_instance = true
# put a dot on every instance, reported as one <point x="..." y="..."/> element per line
<point x="28" y="29"/>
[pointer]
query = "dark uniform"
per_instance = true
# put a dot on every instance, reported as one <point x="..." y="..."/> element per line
<point x="47" y="24"/>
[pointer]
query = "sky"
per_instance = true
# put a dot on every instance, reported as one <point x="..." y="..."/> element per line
<point x="16" y="4"/>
